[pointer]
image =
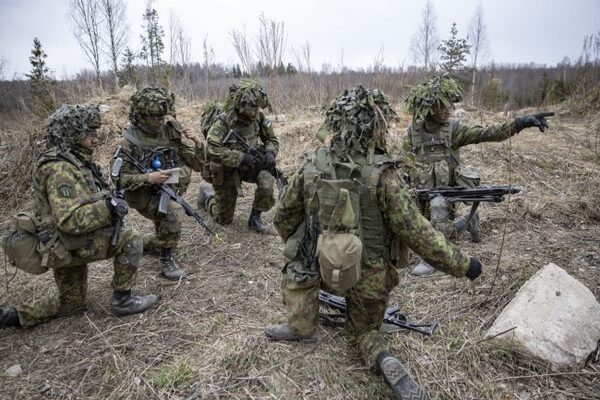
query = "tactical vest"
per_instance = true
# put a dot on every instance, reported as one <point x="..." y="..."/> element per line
<point x="250" y="133"/>
<point x="164" y="148"/>
<point x="436" y="160"/>
<point x="325" y="176"/>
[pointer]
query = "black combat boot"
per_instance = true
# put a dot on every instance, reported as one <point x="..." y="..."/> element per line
<point x="284" y="332"/>
<point x="256" y="224"/>
<point x="396" y="376"/>
<point x="124" y="303"/>
<point x="169" y="267"/>
<point x="9" y="318"/>
<point x="204" y="195"/>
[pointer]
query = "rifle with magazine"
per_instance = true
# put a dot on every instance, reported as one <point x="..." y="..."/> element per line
<point x="476" y="195"/>
<point x="167" y="193"/>
<point x="280" y="178"/>
<point x="392" y="320"/>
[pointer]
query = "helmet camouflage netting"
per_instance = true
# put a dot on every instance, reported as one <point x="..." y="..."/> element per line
<point x="358" y="120"/>
<point x="70" y="123"/>
<point x="151" y="101"/>
<point x="430" y="97"/>
<point x="246" y="92"/>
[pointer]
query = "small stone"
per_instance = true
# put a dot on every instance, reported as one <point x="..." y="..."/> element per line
<point x="45" y="388"/>
<point x="15" y="370"/>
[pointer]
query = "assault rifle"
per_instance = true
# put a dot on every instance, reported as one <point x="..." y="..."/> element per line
<point x="115" y="174"/>
<point x="166" y="194"/>
<point x="281" y="180"/>
<point x="391" y="317"/>
<point x="454" y="194"/>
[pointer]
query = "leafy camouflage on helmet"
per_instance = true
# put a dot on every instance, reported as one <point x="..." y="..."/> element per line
<point x="70" y="123"/>
<point x="430" y="97"/>
<point x="246" y="92"/>
<point x="150" y="101"/>
<point x="358" y="120"/>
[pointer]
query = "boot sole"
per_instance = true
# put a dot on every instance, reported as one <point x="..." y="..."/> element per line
<point x="397" y="377"/>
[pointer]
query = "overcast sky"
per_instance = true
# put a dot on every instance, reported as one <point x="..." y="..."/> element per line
<point x="519" y="31"/>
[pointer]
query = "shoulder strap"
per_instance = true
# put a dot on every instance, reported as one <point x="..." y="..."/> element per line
<point x="130" y="137"/>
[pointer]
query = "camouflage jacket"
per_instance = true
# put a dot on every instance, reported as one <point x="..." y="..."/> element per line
<point x="70" y="193"/>
<point x="400" y="214"/>
<point x="258" y="134"/>
<point x="436" y="148"/>
<point x="167" y="142"/>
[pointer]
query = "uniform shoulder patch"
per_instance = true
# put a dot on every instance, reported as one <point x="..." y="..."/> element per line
<point x="65" y="190"/>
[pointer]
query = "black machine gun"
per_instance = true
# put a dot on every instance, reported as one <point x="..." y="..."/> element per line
<point x="280" y="178"/>
<point x="167" y="193"/>
<point x="454" y="194"/>
<point x="392" y="315"/>
<point x="117" y="193"/>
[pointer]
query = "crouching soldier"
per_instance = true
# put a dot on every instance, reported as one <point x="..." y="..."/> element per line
<point x="72" y="225"/>
<point x="348" y="220"/>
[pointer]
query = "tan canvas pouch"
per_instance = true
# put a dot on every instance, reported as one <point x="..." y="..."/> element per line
<point x="340" y="259"/>
<point x="467" y="176"/>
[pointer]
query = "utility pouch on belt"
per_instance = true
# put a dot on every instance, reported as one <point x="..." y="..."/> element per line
<point x="26" y="251"/>
<point x="339" y="249"/>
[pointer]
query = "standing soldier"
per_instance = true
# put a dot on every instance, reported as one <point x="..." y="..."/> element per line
<point x="73" y="224"/>
<point x="157" y="144"/>
<point x="436" y="141"/>
<point x="354" y="196"/>
<point x="230" y="163"/>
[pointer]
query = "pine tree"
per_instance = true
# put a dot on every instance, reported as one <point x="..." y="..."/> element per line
<point x="128" y="74"/>
<point x="40" y="80"/>
<point x="153" y="46"/>
<point x="453" y="52"/>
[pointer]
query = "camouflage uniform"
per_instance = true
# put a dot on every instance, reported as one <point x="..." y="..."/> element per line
<point x="390" y="225"/>
<point x="70" y="205"/>
<point x="225" y="160"/>
<point x="148" y="145"/>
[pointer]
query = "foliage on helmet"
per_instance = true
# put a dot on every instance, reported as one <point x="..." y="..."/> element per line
<point x="246" y="92"/>
<point x="432" y="96"/>
<point x="358" y="120"/>
<point x="151" y="101"/>
<point x="71" y="123"/>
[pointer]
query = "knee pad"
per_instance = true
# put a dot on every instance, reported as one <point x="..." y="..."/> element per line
<point x="131" y="252"/>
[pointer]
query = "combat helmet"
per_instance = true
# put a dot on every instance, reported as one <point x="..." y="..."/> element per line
<point x="70" y="123"/>
<point x="358" y="120"/>
<point x="430" y="97"/>
<point x="150" y="101"/>
<point x="246" y="93"/>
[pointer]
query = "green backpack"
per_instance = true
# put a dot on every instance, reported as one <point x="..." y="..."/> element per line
<point x="210" y="112"/>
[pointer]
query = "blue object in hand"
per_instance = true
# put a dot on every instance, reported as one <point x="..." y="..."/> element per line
<point x="156" y="164"/>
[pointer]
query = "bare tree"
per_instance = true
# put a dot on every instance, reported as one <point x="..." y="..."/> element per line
<point x="478" y="40"/>
<point x="114" y="13"/>
<point x="243" y="49"/>
<point x="180" y="42"/>
<point x="85" y="15"/>
<point x="302" y="57"/>
<point x="3" y="65"/>
<point x="425" y="41"/>
<point x="209" y="59"/>
<point x="270" y="45"/>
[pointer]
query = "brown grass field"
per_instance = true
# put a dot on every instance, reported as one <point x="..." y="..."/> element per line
<point x="205" y="338"/>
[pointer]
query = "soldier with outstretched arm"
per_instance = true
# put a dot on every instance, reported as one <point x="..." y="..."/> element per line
<point x="435" y="140"/>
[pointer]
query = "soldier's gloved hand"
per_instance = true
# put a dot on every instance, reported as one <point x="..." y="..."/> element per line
<point x="117" y="206"/>
<point x="475" y="268"/>
<point x="248" y="160"/>
<point x="538" y="120"/>
<point x="269" y="159"/>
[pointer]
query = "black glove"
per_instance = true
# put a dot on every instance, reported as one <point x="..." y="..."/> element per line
<point x="118" y="207"/>
<point x="269" y="160"/>
<point x="538" y="120"/>
<point x="249" y="160"/>
<point x="474" y="268"/>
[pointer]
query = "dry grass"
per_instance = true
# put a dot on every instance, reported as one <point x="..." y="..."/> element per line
<point x="204" y="340"/>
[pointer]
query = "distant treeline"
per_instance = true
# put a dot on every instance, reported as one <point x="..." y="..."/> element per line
<point x="496" y="86"/>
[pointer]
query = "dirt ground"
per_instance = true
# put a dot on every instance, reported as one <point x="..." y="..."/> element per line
<point x="205" y="338"/>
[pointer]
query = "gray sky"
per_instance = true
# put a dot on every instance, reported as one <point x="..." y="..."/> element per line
<point x="519" y="31"/>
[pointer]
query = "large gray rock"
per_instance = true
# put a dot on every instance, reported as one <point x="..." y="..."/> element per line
<point x="555" y="318"/>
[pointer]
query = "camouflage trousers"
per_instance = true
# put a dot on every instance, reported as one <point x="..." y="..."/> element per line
<point x="71" y="280"/>
<point x="167" y="227"/>
<point x="366" y="304"/>
<point x="222" y="206"/>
